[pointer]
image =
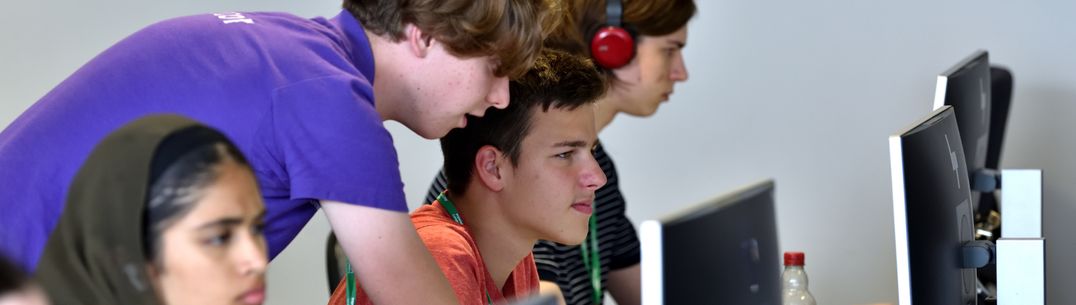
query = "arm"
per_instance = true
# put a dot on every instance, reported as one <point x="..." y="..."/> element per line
<point x="388" y="256"/>
<point x="325" y="140"/>
<point x="547" y="287"/>
<point x="624" y="285"/>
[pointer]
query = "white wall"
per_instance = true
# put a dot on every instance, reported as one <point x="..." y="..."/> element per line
<point x="803" y="91"/>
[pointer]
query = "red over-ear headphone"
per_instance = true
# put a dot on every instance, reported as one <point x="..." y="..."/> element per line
<point x="612" y="46"/>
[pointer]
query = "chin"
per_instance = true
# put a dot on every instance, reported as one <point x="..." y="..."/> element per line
<point x="575" y="241"/>
<point x="430" y="129"/>
<point x="645" y="112"/>
<point x="572" y="238"/>
<point x="431" y="132"/>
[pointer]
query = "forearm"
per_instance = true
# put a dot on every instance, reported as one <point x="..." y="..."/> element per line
<point x="546" y="287"/>
<point x="387" y="256"/>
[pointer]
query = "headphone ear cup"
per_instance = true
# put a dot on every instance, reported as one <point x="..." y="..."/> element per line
<point x="612" y="47"/>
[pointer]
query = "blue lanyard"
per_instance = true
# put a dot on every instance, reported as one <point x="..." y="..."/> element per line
<point x="451" y="209"/>
<point x="592" y="261"/>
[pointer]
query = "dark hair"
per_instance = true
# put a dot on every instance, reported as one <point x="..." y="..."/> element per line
<point x="184" y="164"/>
<point x="558" y="79"/>
<point x="12" y="277"/>
<point x="582" y="19"/>
<point x="510" y="30"/>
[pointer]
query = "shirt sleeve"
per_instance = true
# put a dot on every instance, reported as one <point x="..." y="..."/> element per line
<point x="626" y="249"/>
<point x="620" y="243"/>
<point x="333" y="145"/>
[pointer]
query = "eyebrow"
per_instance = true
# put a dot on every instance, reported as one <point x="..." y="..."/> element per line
<point x="230" y="221"/>
<point x="571" y="144"/>
<point x="226" y="222"/>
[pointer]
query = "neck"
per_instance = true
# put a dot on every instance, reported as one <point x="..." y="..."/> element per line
<point x="606" y="110"/>
<point x="386" y="84"/>
<point x="502" y="244"/>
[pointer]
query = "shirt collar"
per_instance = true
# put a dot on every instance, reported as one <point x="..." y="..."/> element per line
<point x="357" y="44"/>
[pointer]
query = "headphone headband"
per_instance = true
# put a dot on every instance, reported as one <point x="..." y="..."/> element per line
<point x="613" y="11"/>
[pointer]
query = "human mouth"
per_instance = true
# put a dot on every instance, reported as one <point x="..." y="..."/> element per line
<point x="584" y="207"/>
<point x="254" y="296"/>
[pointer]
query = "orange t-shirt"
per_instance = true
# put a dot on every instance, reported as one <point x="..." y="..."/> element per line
<point x="456" y="252"/>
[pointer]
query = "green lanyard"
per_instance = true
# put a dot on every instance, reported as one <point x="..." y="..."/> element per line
<point x="451" y="209"/>
<point x="592" y="261"/>
<point x="350" y="285"/>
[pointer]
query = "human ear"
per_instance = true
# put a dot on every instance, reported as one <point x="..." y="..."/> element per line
<point x="488" y="166"/>
<point x="417" y="41"/>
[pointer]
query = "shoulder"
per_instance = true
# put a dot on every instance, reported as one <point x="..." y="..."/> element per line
<point x="442" y="235"/>
<point x="453" y="248"/>
<point x="281" y="47"/>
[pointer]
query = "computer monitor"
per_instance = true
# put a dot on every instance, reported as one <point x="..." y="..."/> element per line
<point x="542" y="299"/>
<point x="966" y="86"/>
<point x="722" y="251"/>
<point x="932" y="212"/>
<point x="1001" y="83"/>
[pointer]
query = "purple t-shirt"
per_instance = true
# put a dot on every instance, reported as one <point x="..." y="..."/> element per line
<point x="294" y="94"/>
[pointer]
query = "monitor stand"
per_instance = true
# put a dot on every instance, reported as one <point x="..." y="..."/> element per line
<point x="1021" y="250"/>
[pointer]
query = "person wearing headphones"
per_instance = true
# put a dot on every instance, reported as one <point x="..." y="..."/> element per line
<point x="304" y="99"/>
<point x="638" y="44"/>
<point x="517" y="175"/>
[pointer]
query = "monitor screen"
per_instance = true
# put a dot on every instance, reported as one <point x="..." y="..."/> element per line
<point x="722" y="251"/>
<point x="931" y="211"/>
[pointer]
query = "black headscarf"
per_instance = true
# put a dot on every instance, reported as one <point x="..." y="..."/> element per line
<point x="96" y="254"/>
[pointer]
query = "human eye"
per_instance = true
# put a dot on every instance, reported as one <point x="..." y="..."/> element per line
<point x="671" y="51"/>
<point x="258" y="228"/>
<point x="565" y="155"/>
<point x="219" y="239"/>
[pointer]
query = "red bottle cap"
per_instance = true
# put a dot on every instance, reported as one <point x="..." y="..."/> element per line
<point x="793" y="258"/>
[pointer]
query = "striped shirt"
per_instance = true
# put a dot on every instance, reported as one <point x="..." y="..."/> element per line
<point x="563" y="264"/>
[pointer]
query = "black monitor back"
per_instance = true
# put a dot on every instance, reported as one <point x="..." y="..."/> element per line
<point x="967" y="87"/>
<point x="724" y="251"/>
<point x="932" y="212"/>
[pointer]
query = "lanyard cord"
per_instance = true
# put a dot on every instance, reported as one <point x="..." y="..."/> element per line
<point x="592" y="260"/>
<point x="451" y="209"/>
<point x="350" y="285"/>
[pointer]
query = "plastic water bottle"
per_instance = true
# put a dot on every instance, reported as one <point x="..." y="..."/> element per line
<point x="794" y="280"/>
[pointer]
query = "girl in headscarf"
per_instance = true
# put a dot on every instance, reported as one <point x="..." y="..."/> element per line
<point x="164" y="211"/>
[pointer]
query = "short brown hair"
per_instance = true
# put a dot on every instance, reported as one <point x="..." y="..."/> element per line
<point x="558" y="79"/>
<point x="581" y="19"/>
<point x="510" y="30"/>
